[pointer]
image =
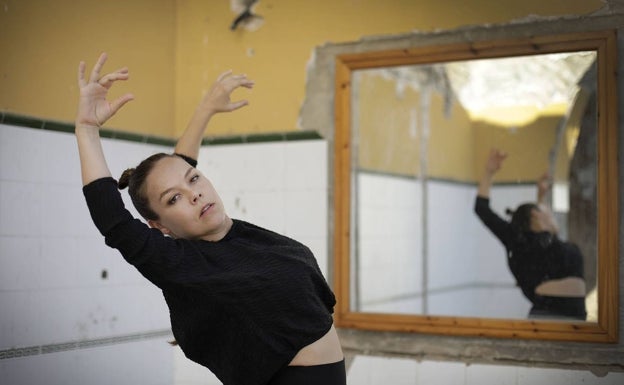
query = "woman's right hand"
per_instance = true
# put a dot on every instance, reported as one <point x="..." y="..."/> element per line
<point x="494" y="161"/>
<point x="93" y="108"/>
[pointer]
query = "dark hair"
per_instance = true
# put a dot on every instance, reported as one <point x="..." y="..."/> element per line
<point x="134" y="179"/>
<point x="521" y="220"/>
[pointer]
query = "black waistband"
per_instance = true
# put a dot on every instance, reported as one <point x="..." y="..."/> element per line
<point x="562" y="306"/>
<point x="325" y="374"/>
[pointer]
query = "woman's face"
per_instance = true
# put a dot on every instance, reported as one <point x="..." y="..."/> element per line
<point x="542" y="220"/>
<point x="187" y="204"/>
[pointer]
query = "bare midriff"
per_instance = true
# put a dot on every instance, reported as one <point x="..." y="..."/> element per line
<point x="325" y="350"/>
<point x="564" y="287"/>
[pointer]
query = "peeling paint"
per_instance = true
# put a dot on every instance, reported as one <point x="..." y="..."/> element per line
<point x="246" y="17"/>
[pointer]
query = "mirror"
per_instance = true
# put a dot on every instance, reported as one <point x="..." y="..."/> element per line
<point x="414" y="129"/>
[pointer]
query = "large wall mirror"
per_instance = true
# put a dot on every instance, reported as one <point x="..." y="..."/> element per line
<point x="415" y="130"/>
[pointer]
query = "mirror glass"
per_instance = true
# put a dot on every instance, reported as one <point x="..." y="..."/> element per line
<point x="433" y="141"/>
<point x="421" y="136"/>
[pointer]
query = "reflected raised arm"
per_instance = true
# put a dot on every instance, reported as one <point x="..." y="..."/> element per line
<point x="492" y="165"/>
<point x="543" y="219"/>
<point x="544" y="184"/>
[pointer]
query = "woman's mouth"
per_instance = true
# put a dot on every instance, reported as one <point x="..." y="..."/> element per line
<point x="205" y="209"/>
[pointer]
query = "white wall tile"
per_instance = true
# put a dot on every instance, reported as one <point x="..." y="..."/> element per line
<point x="63" y="315"/>
<point x="58" y="263"/>
<point x="93" y="258"/>
<point x="450" y="215"/>
<point x="305" y="213"/>
<point x="306" y="165"/>
<point x="121" y="155"/>
<point x="115" y="364"/>
<point x="441" y="372"/>
<point x="132" y="309"/>
<point x="155" y="313"/>
<point x="18" y="320"/>
<point x="21" y="208"/>
<point x="60" y="154"/>
<point x="368" y="370"/>
<point x="125" y="273"/>
<point x="248" y="167"/>
<point x="21" y="154"/>
<point x="263" y="208"/>
<point x="63" y="211"/>
<point x="318" y="246"/>
<point x="264" y="166"/>
<point x="223" y="166"/>
<point x="71" y="367"/>
<point x="20" y="371"/>
<point x="187" y="372"/>
<point x="19" y="260"/>
<point x="491" y="374"/>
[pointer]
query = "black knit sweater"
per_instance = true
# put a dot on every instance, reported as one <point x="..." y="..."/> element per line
<point x="533" y="258"/>
<point x="242" y="306"/>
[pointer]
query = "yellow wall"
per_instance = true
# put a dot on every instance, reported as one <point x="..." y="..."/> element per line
<point x="41" y="43"/>
<point x="389" y="136"/>
<point x="390" y="131"/>
<point x="527" y="147"/>
<point x="176" y="48"/>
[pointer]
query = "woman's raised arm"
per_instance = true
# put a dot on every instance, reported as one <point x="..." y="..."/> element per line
<point x="216" y="100"/>
<point x="93" y="111"/>
<point x="492" y="165"/>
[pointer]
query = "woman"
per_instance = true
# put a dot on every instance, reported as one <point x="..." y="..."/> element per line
<point x="249" y="304"/>
<point x="548" y="270"/>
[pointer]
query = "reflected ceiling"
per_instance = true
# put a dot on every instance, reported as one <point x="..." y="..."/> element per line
<point x="539" y="82"/>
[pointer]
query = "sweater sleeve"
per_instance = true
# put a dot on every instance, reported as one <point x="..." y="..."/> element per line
<point x="497" y="225"/>
<point x="188" y="159"/>
<point x="159" y="258"/>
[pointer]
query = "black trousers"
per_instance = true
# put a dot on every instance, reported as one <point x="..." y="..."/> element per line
<point x="550" y="306"/>
<point x="327" y="374"/>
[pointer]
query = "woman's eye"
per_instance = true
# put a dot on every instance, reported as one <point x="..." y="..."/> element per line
<point x="194" y="178"/>
<point x="174" y="199"/>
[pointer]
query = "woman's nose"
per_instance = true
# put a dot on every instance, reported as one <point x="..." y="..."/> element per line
<point x="196" y="197"/>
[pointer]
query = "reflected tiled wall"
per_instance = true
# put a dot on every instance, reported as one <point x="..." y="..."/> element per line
<point x="466" y="267"/>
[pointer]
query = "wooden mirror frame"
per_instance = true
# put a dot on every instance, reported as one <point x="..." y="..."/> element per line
<point x="606" y="327"/>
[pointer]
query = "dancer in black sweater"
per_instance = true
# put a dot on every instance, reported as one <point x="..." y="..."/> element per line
<point x="249" y="304"/>
<point x="548" y="270"/>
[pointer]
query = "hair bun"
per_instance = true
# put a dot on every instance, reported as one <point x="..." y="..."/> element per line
<point x="124" y="179"/>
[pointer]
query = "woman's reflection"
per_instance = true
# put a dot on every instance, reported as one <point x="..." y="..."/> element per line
<point x="548" y="270"/>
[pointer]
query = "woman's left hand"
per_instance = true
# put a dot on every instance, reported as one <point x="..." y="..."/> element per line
<point x="544" y="183"/>
<point x="217" y="99"/>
